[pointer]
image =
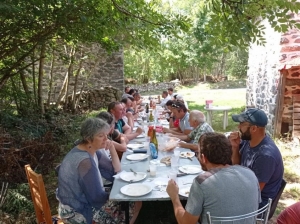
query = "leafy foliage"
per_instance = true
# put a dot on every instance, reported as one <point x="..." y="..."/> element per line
<point x="18" y="201"/>
<point x="238" y="23"/>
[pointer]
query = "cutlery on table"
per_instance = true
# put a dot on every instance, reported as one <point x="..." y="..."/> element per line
<point x="135" y="173"/>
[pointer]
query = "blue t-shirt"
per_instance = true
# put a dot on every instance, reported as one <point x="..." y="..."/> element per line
<point x="119" y="125"/>
<point x="266" y="162"/>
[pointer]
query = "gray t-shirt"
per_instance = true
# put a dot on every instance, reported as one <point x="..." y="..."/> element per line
<point x="184" y="122"/>
<point x="229" y="191"/>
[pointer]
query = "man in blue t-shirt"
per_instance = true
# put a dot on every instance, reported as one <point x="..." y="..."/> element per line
<point x="251" y="147"/>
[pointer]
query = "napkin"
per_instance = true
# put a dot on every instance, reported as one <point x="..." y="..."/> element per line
<point x="117" y="176"/>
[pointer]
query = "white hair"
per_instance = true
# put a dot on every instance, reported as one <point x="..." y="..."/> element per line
<point x="198" y="116"/>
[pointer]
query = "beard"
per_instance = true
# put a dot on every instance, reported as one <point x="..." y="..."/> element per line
<point x="246" y="135"/>
<point x="204" y="168"/>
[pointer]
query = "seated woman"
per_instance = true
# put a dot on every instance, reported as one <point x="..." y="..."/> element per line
<point x="82" y="197"/>
<point x="173" y="122"/>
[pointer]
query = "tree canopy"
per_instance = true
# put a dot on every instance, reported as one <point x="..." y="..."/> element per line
<point x="112" y="23"/>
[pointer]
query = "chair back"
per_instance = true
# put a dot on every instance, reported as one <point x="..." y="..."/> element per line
<point x="39" y="196"/>
<point x="246" y="218"/>
<point x="276" y="199"/>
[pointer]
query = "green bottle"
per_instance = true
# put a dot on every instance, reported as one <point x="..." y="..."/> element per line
<point x="151" y="118"/>
<point x="153" y="139"/>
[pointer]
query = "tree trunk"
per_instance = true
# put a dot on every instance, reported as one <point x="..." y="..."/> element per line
<point x="51" y="79"/>
<point x="33" y="77"/>
<point x="15" y="96"/>
<point x="62" y="90"/>
<point x="70" y="72"/>
<point x="75" y="86"/>
<point x="40" y="79"/>
<point x="24" y="84"/>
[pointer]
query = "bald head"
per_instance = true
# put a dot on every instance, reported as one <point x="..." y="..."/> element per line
<point x="196" y="115"/>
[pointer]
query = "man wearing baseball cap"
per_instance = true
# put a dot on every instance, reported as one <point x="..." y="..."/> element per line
<point x="251" y="147"/>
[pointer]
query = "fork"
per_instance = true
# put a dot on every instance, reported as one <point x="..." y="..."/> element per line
<point x="135" y="173"/>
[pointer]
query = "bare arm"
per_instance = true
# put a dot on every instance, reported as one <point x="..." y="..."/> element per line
<point x="181" y="137"/>
<point x="261" y="185"/>
<point x="235" y="146"/>
<point x="182" y="216"/>
<point x="133" y="135"/>
<point x="187" y="131"/>
<point x="175" y="131"/>
<point x="122" y="146"/>
<point x="114" y="156"/>
<point x="193" y="147"/>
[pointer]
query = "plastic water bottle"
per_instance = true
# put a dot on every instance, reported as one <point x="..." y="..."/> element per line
<point x="153" y="151"/>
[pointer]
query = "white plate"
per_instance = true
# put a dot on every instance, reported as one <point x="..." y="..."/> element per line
<point x="141" y="136"/>
<point x="135" y="146"/>
<point x="164" y="122"/>
<point x="136" y="190"/>
<point x="134" y="128"/>
<point x="185" y="191"/>
<point x="187" y="154"/>
<point x="130" y="176"/>
<point x="191" y="169"/>
<point x="137" y="156"/>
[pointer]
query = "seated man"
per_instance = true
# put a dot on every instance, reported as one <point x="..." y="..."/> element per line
<point x="197" y="121"/>
<point x="119" y="140"/>
<point x="180" y="112"/>
<point x="252" y="148"/>
<point x="136" y="103"/>
<point x="128" y="105"/>
<point x="116" y="109"/>
<point x="125" y="94"/>
<point x="222" y="190"/>
<point x="171" y="93"/>
<point x="165" y="99"/>
<point x="180" y="99"/>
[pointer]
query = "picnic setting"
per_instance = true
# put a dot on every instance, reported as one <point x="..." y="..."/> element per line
<point x="141" y="112"/>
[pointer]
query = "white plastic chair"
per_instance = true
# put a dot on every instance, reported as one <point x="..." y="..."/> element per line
<point x="253" y="217"/>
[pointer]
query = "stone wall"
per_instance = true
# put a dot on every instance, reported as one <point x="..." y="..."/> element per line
<point x="149" y="87"/>
<point x="278" y="59"/>
<point x="263" y="75"/>
<point x="97" y="98"/>
<point x="99" y="69"/>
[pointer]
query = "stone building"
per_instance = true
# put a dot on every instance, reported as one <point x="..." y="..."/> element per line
<point x="273" y="82"/>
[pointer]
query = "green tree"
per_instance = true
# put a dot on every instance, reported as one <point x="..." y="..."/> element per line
<point x="239" y="23"/>
<point x="28" y="29"/>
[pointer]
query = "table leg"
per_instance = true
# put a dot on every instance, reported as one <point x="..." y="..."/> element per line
<point x="209" y="117"/>
<point x="125" y="208"/>
<point x="225" y="119"/>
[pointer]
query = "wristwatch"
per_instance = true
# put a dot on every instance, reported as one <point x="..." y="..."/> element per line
<point x="171" y="117"/>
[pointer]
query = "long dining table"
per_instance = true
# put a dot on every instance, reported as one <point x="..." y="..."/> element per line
<point x="156" y="184"/>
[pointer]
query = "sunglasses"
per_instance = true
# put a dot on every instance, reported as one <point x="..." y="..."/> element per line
<point x="176" y="106"/>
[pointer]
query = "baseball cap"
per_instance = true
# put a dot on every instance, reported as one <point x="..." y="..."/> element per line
<point x="253" y="116"/>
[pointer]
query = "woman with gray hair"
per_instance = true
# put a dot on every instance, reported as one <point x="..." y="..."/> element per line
<point x="81" y="194"/>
